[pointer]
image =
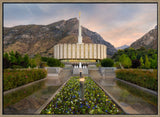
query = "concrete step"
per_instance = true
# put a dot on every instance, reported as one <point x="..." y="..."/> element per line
<point x="52" y="74"/>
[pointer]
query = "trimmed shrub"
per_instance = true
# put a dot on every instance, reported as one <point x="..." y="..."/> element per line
<point x="107" y="62"/>
<point x="147" y="79"/>
<point x="15" y="78"/>
<point x="52" y="62"/>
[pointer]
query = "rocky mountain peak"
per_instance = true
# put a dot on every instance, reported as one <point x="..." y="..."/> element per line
<point x="149" y="40"/>
<point x="33" y="39"/>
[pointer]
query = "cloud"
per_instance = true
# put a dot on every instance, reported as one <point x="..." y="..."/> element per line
<point x="117" y="23"/>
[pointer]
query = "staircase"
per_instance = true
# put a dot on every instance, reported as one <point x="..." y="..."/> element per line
<point x="77" y="71"/>
<point x="53" y="76"/>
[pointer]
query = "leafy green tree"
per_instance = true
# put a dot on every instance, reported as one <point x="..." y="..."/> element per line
<point x="26" y="61"/>
<point x="37" y="59"/>
<point x="32" y="63"/>
<point x="13" y="59"/>
<point x="133" y="56"/>
<point x="18" y="57"/>
<point x="141" y="61"/>
<point x="153" y="63"/>
<point x="147" y="63"/>
<point x="6" y="61"/>
<point x="125" y="61"/>
<point x="107" y="62"/>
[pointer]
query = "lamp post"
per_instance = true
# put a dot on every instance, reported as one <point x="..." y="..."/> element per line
<point x="82" y="88"/>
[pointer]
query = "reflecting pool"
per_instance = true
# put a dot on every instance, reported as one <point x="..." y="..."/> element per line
<point x="29" y="99"/>
<point x="132" y="99"/>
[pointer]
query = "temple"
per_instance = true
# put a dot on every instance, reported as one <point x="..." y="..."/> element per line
<point x="80" y="52"/>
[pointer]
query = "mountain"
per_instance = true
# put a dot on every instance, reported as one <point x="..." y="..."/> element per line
<point x="33" y="39"/>
<point x="149" y="40"/>
<point x="122" y="47"/>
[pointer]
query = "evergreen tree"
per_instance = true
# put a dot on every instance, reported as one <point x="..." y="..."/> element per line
<point x="6" y="61"/>
<point x="26" y="61"/>
<point x="141" y="61"/>
<point x="154" y="61"/>
<point x="147" y="63"/>
<point x="13" y="59"/>
<point x="18" y="58"/>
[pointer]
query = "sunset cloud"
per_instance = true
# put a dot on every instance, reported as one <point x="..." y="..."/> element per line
<point x="118" y="24"/>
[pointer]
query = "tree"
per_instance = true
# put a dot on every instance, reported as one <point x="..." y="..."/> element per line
<point x="37" y="59"/>
<point x="125" y="61"/>
<point x="25" y="61"/>
<point x="133" y="56"/>
<point x="6" y="61"/>
<point x="32" y="63"/>
<point x="147" y="63"/>
<point x="107" y="62"/>
<point x="141" y="62"/>
<point x="153" y="61"/>
<point x="52" y="62"/>
<point x="18" y="57"/>
<point x="12" y="57"/>
<point x="44" y="59"/>
<point x="136" y="63"/>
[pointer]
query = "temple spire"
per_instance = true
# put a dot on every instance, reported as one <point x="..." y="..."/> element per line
<point x="80" y="32"/>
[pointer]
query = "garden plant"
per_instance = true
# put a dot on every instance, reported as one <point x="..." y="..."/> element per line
<point x="15" y="78"/>
<point x="147" y="79"/>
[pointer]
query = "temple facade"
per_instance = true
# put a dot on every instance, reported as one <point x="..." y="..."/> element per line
<point x="80" y="51"/>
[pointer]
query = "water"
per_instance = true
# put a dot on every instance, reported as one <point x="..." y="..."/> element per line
<point x="29" y="99"/>
<point x="132" y="99"/>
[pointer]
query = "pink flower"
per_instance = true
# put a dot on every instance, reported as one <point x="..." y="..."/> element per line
<point x="26" y="76"/>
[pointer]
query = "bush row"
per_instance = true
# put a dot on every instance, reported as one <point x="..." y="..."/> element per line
<point x="147" y="79"/>
<point x="69" y="100"/>
<point x="15" y="78"/>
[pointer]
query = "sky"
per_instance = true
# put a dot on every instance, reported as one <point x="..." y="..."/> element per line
<point x="118" y="23"/>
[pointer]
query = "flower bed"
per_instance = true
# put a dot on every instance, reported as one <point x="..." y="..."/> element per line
<point x="15" y="78"/>
<point x="97" y="101"/>
<point x="68" y="100"/>
<point x="147" y="79"/>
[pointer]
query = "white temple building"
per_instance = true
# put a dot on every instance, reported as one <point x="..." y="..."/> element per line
<point x="80" y="51"/>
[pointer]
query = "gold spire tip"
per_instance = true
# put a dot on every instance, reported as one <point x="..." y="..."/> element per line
<point x="79" y="14"/>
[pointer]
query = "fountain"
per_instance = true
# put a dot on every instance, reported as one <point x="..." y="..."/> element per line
<point x="80" y="69"/>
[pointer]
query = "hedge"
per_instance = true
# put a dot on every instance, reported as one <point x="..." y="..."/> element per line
<point x="143" y="78"/>
<point x="15" y="78"/>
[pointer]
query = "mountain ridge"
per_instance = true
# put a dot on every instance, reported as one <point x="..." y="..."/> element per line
<point x="33" y="39"/>
<point x="122" y="47"/>
<point x="148" y="40"/>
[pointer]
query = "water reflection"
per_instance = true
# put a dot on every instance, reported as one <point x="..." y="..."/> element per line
<point x="28" y="99"/>
<point x="131" y="97"/>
